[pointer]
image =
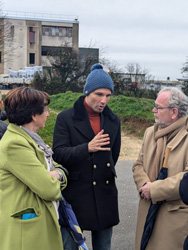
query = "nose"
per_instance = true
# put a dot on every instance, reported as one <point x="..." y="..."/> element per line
<point x="104" y="100"/>
<point x="47" y="113"/>
<point x="154" y="110"/>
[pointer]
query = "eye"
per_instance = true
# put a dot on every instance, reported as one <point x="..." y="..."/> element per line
<point x="99" y="94"/>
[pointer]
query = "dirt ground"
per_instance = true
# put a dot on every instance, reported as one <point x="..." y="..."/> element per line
<point x="4" y="91"/>
<point x="130" y="147"/>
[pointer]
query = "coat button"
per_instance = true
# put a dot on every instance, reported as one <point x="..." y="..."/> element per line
<point x="94" y="166"/>
<point x="108" y="164"/>
<point x="107" y="182"/>
<point x="94" y="183"/>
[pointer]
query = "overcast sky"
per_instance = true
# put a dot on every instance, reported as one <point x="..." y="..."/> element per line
<point x="153" y="33"/>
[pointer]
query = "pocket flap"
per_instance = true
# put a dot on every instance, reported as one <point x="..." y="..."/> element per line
<point x="19" y="214"/>
<point x="173" y="207"/>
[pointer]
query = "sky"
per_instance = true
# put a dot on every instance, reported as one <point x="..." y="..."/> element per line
<point x="152" y="33"/>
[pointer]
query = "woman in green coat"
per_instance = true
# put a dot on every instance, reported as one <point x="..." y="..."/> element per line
<point x="30" y="184"/>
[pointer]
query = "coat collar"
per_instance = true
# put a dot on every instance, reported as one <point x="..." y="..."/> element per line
<point x="81" y="119"/>
<point x="179" y="137"/>
<point x="79" y="111"/>
<point x="17" y="130"/>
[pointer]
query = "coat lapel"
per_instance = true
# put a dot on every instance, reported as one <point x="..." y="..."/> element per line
<point x="82" y="123"/>
<point x="84" y="127"/>
<point x="81" y="119"/>
<point x="178" y="138"/>
<point x="39" y="153"/>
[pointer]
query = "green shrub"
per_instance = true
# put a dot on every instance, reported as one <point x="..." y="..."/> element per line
<point x="47" y="132"/>
<point x="126" y="108"/>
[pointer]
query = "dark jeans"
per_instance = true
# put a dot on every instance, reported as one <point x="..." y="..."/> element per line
<point x="101" y="240"/>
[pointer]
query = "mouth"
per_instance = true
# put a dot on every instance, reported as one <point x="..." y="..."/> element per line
<point x="101" y="107"/>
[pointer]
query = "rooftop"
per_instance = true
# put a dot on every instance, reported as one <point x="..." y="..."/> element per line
<point x="38" y="16"/>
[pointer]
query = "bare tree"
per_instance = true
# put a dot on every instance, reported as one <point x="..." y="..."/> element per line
<point x="184" y="71"/>
<point x="185" y="68"/>
<point x="135" y="68"/>
<point x="66" y="71"/>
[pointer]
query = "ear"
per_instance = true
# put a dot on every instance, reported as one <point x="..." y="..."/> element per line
<point x="175" y="113"/>
<point x="34" y="118"/>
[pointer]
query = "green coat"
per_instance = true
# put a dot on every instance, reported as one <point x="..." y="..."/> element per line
<point x="26" y="186"/>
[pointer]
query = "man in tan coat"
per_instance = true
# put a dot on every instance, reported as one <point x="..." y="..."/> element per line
<point x="170" y="128"/>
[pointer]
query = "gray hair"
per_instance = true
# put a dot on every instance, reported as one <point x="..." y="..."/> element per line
<point x="177" y="99"/>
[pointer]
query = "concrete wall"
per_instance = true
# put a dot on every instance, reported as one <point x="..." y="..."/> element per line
<point x="34" y="47"/>
<point x="17" y="49"/>
<point x="57" y="41"/>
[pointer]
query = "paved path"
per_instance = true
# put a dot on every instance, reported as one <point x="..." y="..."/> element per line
<point x="124" y="232"/>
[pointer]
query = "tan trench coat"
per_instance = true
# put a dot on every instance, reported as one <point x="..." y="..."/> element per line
<point x="171" y="226"/>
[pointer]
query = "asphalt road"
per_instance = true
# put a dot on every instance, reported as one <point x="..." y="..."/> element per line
<point x="124" y="233"/>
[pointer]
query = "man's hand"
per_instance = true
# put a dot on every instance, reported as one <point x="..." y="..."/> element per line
<point x="145" y="191"/>
<point x="98" y="141"/>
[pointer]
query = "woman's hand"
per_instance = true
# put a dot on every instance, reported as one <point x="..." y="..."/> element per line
<point x="54" y="173"/>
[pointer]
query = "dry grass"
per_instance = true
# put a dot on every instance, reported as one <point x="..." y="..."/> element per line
<point x="130" y="147"/>
<point x="4" y="91"/>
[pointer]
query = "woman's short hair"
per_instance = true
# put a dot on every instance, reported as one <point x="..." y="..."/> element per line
<point x="23" y="102"/>
<point x="177" y="99"/>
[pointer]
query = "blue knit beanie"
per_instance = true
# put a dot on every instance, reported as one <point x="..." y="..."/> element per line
<point x="97" y="79"/>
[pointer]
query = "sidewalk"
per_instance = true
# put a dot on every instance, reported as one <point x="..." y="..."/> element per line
<point x="124" y="232"/>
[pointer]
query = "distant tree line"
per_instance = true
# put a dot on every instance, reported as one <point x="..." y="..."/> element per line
<point x="184" y="71"/>
<point x="65" y="73"/>
<point x="68" y="73"/>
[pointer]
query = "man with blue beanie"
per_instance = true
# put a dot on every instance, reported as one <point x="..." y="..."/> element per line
<point x="87" y="140"/>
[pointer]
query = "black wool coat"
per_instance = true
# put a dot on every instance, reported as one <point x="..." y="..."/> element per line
<point x="3" y="127"/>
<point x="3" y="115"/>
<point x="91" y="186"/>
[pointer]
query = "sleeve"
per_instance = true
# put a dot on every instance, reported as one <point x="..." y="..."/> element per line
<point x="139" y="174"/>
<point x="3" y="115"/>
<point x="23" y="162"/>
<point x="167" y="189"/>
<point x="183" y="188"/>
<point x="64" y="152"/>
<point x="65" y="173"/>
<point x="117" y="144"/>
<point x="3" y="127"/>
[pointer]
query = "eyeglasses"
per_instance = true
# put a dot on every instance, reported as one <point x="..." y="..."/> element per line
<point x="157" y="107"/>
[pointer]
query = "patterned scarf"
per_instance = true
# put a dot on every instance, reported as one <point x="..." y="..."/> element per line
<point x="43" y="146"/>
<point x="48" y="156"/>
